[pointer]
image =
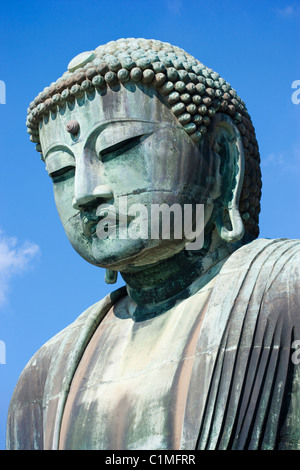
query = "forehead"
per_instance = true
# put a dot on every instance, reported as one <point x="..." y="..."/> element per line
<point x="126" y="103"/>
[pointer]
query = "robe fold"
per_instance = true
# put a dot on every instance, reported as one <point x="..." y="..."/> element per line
<point x="244" y="386"/>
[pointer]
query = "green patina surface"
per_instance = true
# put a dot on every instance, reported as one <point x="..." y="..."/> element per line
<point x="195" y="353"/>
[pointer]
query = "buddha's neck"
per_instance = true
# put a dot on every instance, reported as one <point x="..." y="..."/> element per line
<point x="158" y="287"/>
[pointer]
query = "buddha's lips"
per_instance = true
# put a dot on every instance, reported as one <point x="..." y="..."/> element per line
<point x="105" y="216"/>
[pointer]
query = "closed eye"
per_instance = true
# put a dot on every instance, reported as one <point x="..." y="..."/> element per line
<point x="62" y="174"/>
<point x="60" y="164"/>
<point x="121" y="147"/>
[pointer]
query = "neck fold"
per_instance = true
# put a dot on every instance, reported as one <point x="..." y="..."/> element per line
<point x="157" y="288"/>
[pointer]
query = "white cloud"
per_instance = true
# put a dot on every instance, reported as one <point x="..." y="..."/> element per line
<point x="289" y="11"/>
<point x="174" y="6"/>
<point x="287" y="162"/>
<point x="14" y="259"/>
<point x="273" y="159"/>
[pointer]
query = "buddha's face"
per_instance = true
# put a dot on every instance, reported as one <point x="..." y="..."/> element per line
<point x="129" y="148"/>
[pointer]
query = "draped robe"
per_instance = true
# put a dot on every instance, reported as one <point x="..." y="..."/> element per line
<point x="242" y="390"/>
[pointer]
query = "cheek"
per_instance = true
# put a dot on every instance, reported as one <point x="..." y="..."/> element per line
<point x="175" y="164"/>
<point x="63" y="195"/>
<point x="127" y="173"/>
<point x="168" y="160"/>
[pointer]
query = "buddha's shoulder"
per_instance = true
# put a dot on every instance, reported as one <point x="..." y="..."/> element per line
<point x="278" y="256"/>
<point x="265" y="271"/>
<point x="256" y="278"/>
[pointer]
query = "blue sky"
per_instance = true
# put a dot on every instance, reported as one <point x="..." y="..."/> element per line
<point x="44" y="284"/>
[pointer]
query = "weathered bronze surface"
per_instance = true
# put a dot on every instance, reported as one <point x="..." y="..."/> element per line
<point x="196" y="351"/>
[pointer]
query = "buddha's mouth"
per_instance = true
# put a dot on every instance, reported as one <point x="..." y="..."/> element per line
<point x="103" y="220"/>
<point x="89" y="224"/>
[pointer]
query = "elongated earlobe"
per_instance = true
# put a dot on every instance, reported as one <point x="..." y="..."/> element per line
<point x="111" y="276"/>
<point x="227" y="143"/>
<point x="238" y="229"/>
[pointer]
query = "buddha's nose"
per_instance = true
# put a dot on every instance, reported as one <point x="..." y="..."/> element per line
<point x="90" y="187"/>
<point x="100" y="193"/>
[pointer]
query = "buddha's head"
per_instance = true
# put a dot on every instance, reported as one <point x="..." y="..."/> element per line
<point x="144" y="122"/>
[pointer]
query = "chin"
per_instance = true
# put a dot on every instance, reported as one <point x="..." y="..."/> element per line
<point x="128" y="255"/>
<point x="122" y="255"/>
<point x="109" y="253"/>
<point x="117" y="254"/>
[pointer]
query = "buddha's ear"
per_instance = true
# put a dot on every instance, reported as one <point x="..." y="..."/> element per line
<point x="111" y="276"/>
<point x="226" y="143"/>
